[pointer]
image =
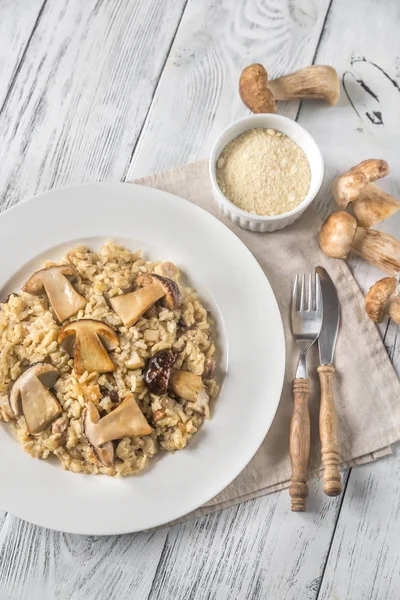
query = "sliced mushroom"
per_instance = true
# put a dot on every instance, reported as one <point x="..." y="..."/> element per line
<point x="29" y="396"/>
<point x="339" y="234"/>
<point x="161" y="376"/>
<point x="187" y="385"/>
<point x="126" y="420"/>
<point x="64" y="299"/>
<point x="347" y="187"/>
<point x="130" y="307"/>
<point x="89" y="342"/>
<point x="259" y="93"/>
<point x="382" y="299"/>
<point x="167" y="269"/>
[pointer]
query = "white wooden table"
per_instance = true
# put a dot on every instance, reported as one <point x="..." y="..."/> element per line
<point x="108" y="90"/>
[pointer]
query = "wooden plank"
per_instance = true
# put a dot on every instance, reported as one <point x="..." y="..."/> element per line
<point x="74" y="112"/>
<point x="363" y="561"/>
<point x="39" y="564"/>
<point x="257" y="550"/>
<point x="198" y="95"/>
<point x="82" y="93"/>
<point x="18" y="20"/>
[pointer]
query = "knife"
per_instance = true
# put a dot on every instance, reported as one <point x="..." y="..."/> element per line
<point x="327" y="415"/>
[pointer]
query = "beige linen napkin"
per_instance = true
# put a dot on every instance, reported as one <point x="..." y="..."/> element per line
<point x="367" y="391"/>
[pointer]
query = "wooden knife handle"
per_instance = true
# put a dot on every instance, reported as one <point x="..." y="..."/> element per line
<point x="299" y="444"/>
<point x="328" y="432"/>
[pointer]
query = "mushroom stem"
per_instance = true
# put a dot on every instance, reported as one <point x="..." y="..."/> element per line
<point x="348" y="186"/>
<point x="379" y="249"/>
<point x="317" y="82"/>
<point x="374" y="205"/>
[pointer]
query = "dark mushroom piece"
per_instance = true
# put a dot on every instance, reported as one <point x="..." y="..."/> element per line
<point x="160" y="376"/>
<point x="89" y="342"/>
<point x="130" y="307"/>
<point x="64" y="299"/>
<point x="126" y="420"/>
<point x="29" y="396"/>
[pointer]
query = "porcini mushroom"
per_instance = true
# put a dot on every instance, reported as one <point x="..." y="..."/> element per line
<point x="89" y="342"/>
<point x="339" y="234"/>
<point x="347" y="187"/>
<point x="315" y="82"/>
<point x="374" y="205"/>
<point x="64" y="299"/>
<point x="382" y="299"/>
<point x="160" y="376"/>
<point x="370" y="204"/>
<point x="126" y="420"/>
<point x="130" y="307"/>
<point x="29" y="396"/>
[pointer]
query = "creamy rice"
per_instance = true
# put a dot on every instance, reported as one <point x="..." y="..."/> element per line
<point x="29" y="332"/>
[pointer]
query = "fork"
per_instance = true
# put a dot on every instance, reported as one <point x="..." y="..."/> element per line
<point x="306" y="326"/>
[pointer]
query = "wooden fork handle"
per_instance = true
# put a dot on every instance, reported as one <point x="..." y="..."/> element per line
<point x="328" y="432"/>
<point x="299" y="444"/>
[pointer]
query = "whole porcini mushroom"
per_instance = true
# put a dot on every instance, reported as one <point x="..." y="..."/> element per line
<point x="89" y="342"/>
<point x="339" y="234"/>
<point x="382" y="299"/>
<point x="130" y="307"/>
<point x="370" y="204"/>
<point x="259" y="94"/>
<point x="29" y="396"/>
<point x="126" y="420"/>
<point x="55" y="281"/>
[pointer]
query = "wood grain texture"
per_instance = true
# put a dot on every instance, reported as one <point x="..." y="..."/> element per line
<point x="198" y="96"/>
<point x="328" y="431"/>
<point x="18" y="20"/>
<point x="255" y="551"/>
<point x="39" y="564"/>
<point x="82" y="92"/>
<point x="299" y="444"/>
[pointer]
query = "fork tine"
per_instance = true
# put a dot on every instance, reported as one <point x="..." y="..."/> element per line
<point x="310" y="304"/>
<point x="318" y="293"/>
<point x="295" y="297"/>
<point x="303" y="293"/>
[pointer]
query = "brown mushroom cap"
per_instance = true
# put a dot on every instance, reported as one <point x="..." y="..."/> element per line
<point x="347" y="187"/>
<point x="130" y="307"/>
<point x="64" y="299"/>
<point x="158" y="371"/>
<point x="337" y="234"/>
<point x="254" y="90"/>
<point x="126" y="420"/>
<point x="378" y="297"/>
<point x="89" y="341"/>
<point x="29" y="396"/>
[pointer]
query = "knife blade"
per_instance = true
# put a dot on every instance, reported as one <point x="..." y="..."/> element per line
<point x="330" y="320"/>
<point x="327" y="416"/>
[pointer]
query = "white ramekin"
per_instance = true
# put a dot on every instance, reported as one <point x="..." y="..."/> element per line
<point x="302" y="138"/>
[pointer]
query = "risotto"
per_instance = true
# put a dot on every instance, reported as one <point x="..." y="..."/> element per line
<point x="106" y="360"/>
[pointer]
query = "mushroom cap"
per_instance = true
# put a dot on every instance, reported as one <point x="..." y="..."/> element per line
<point x="55" y="281"/>
<point x="347" y="187"/>
<point x="337" y="234"/>
<point x="378" y="296"/>
<point x="173" y="295"/>
<point x="35" y="285"/>
<point x="158" y="371"/>
<point x="45" y="372"/>
<point x="254" y="90"/>
<point x="88" y="341"/>
<point x="29" y="395"/>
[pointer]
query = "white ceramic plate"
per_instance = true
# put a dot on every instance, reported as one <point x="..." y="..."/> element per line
<point x="251" y="340"/>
